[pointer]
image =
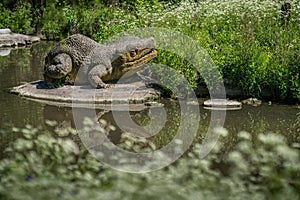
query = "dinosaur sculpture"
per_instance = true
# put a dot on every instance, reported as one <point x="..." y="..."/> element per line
<point x="81" y="58"/>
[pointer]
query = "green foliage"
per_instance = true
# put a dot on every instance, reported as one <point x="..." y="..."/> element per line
<point x="245" y="40"/>
<point x="53" y="27"/>
<point x="61" y="82"/>
<point x="137" y="4"/>
<point x="43" y="165"/>
<point x="19" y="20"/>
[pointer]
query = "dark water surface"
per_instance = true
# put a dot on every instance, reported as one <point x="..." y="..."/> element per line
<point x="26" y="65"/>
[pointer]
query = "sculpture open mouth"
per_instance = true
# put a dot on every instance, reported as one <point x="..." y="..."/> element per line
<point x="137" y="58"/>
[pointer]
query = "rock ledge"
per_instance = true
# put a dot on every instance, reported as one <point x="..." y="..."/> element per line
<point x="9" y="39"/>
<point x="118" y="93"/>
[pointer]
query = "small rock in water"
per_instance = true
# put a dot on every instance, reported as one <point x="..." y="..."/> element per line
<point x="5" y="31"/>
<point x="222" y="104"/>
<point x="4" y="52"/>
<point x="252" y="101"/>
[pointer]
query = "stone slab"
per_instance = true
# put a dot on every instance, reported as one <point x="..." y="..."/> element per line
<point x="5" y="31"/>
<point x="136" y="92"/>
<point x="222" y="104"/>
<point x="16" y="40"/>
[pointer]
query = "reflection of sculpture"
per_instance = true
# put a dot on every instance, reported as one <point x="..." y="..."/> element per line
<point x="95" y="63"/>
<point x="61" y="115"/>
<point x="64" y="118"/>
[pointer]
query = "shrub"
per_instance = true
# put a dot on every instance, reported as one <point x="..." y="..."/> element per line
<point x="43" y="165"/>
<point x="19" y="20"/>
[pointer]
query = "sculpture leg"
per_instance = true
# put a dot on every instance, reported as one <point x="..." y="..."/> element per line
<point x="95" y="75"/>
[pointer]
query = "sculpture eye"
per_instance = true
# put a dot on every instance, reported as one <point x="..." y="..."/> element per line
<point x="132" y="53"/>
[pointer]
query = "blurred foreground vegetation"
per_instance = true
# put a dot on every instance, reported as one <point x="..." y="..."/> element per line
<point x="255" y="48"/>
<point x="43" y="165"/>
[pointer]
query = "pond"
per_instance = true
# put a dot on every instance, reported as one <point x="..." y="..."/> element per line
<point x="26" y="65"/>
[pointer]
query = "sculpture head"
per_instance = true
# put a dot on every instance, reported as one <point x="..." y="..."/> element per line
<point x="132" y="53"/>
<point x="57" y="69"/>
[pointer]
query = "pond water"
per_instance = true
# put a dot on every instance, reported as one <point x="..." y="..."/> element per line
<point x="26" y="65"/>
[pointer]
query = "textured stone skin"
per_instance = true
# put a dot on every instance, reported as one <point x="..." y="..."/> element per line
<point x="81" y="58"/>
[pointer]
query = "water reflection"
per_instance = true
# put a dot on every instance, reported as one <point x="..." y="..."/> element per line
<point x="140" y="118"/>
<point x="274" y="118"/>
<point x="21" y="65"/>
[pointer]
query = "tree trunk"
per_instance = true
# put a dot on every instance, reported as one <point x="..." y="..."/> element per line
<point x="111" y="2"/>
